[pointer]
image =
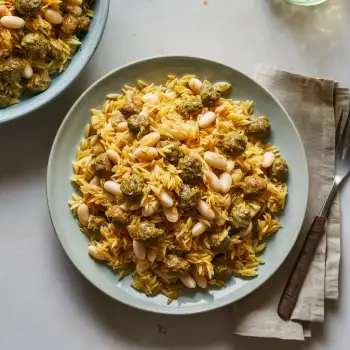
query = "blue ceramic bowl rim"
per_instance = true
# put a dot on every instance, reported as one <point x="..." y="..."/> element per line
<point x="205" y="308"/>
<point x="66" y="78"/>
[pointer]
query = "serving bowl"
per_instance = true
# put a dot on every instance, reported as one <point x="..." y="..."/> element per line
<point x="59" y="188"/>
<point x="80" y="59"/>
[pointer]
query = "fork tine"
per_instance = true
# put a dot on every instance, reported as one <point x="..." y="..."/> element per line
<point x="340" y="148"/>
<point x="337" y="131"/>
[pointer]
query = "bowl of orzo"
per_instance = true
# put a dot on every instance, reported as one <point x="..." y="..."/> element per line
<point x="177" y="185"/>
<point x="44" y="46"/>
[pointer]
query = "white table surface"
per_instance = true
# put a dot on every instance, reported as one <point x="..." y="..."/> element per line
<point x="44" y="302"/>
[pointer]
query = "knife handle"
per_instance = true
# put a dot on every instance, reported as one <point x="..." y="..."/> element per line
<point x="296" y="279"/>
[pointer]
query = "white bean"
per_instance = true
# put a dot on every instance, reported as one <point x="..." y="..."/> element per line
<point x="222" y="86"/>
<point x="113" y="156"/>
<point x="205" y="211"/>
<point x="207" y="119"/>
<point x="151" y="255"/>
<point x="166" y="199"/>
<point x="129" y="136"/>
<point x="83" y="213"/>
<point x="195" y="85"/>
<point x="149" y="209"/>
<point x="198" y="229"/>
<point x="114" y="188"/>
<point x="215" y="160"/>
<point x="13" y="22"/>
<point x="76" y="10"/>
<point x="142" y="266"/>
<point x="171" y="214"/>
<point x="95" y="181"/>
<point x="200" y="280"/>
<point x="150" y="98"/>
<point x="269" y="158"/>
<point x="94" y="253"/>
<point x="226" y="182"/>
<point x="230" y="166"/>
<point x="146" y="153"/>
<point x="28" y="71"/>
<point x="212" y="180"/>
<point x="150" y="139"/>
<point x="123" y="126"/>
<point x="75" y="2"/>
<point x="188" y="281"/>
<point x="246" y="231"/>
<point x="53" y="16"/>
<point x="139" y="249"/>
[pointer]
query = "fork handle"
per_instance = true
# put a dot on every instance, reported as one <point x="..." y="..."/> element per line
<point x="296" y="279"/>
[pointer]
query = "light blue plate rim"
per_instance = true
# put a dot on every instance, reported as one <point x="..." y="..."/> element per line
<point x="243" y="291"/>
<point x="67" y="77"/>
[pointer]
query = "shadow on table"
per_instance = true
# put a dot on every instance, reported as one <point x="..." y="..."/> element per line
<point x="315" y="22"/>
<point x="316" y="30"/>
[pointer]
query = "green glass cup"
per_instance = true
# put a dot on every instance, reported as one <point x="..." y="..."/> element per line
<point x="306" y="2"/>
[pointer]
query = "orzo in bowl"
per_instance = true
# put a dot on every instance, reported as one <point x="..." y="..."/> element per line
<point x="38" y="41"/>
<point x="176" y="187"/>
<point x="179" y="185"/>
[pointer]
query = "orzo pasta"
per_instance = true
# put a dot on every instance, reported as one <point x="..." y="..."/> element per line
<point x="38" y="38"/>
<point x="175" y="186"/>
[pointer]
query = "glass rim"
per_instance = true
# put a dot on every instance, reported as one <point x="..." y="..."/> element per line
<point x="306" y="2"/>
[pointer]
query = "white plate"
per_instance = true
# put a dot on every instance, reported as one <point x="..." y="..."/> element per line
<point x="59" y="189"/>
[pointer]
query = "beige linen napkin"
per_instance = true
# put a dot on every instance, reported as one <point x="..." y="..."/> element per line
<point x="314" y="105"/>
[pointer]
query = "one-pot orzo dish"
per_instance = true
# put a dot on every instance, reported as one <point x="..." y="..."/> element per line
<point x="175" y="186"/>
<point x="38" y="38"/>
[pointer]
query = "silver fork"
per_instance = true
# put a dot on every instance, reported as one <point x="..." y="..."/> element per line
<point x="301" y="267"/>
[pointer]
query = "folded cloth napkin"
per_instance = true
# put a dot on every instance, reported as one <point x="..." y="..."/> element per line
<point x="314" y="105"/>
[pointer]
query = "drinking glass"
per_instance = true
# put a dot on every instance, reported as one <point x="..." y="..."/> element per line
<point x="306" y="2"/>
